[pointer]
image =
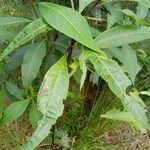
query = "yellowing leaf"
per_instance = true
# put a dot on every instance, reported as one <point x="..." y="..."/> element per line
<point x="50" y="101"/>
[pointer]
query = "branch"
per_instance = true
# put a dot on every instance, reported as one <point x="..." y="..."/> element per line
<point x="72" y="4"/>
<point x="70" y="49"/>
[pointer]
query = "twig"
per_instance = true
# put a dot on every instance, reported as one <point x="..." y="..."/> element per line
<point x="53" y="135"/>
<point x="95" y="19"/>
<point x="69" y="50"/>
<point x="72" y="4"/>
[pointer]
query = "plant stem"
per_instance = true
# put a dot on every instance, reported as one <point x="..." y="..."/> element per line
<point x="53" y="135"/>
<point x="95" y="19"/>
<point x="69" y="50"/>
<point x="72" y="4"/>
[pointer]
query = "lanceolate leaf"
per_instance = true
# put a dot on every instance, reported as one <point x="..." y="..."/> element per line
<point x="83" y="67"/>
<point x="122" y="35"/>
<point x="29" y="32"/>
<point x="110" y="71"/>
<point x="128" y="58"/>
<point x="16" y="59"/>
<point x="32" y="62"/>
<point x="137" y="111"/>
<point x="130" y="13"/>
<point x="13" y="90"/>
<point x="69" y="22"/>
<point x="83" y="4"/>
<point x="142" y="10"/>
<point x="118" y="82"/>
<point x="117" y="115"/>
<point x="34" y="115"/>
<point x="56" y="79"/>
<point x="6" y="36"/>
<point x="114" y="15"/>
<point x="12" y="21"/>
<point x="40" y="134"/>
<point x="14" y="111"/>
<point x="145" y="3"/>
<point x="50" y="101"/>
<point x="123" y="116"/>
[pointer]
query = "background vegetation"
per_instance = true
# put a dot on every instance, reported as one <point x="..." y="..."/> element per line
<point x="83" y="123"/>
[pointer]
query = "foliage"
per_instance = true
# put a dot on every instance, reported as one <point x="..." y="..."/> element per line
<point x="61" y="43"/>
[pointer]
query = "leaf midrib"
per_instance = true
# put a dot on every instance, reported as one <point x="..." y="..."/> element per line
<point x="18" y="106"/>
<point x="31" y="64"/>
<point x="10" y="48"/>
<point x="56" y="81"/>
<point x="111" y="75"/>
<point x="67" y="21"/>
<point x="137" y="113"/>
<point x="117" y="36"/>
<point x="13" y="21"/>
<point x="123" y="92"/>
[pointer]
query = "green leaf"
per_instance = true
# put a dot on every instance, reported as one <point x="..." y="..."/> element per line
<point x="66" y="20"/>
<point x="128" y="58"/>
<point x="14" y="111"/>
<point x="34" y="116"/>
<point x="145" y="3"/>
<point x="130" y="13"/>
<point x="12" y="21"/>
<point x="13" y="90"/>
<point x="142" y="11"/>
<point x="118" y="115"/>
<point x="74" y="66"/>
<point x="16" y="59"/>
<point x="110" y="71"/>
<point x="77" y="75"/>
<point x="145" y="93"/>
<point x="83" y="4"/>
<point x="123" y="116"/>
<point x="118" y="82"/>
<point x="31" y="63"/>
<point x="83" y="67"/>
<point x="135" y="95"/>
<point x="56" y="79"/>
<point x="137" y="111"/>
<point x="6" y="35"/>
<point x="29" y="32"/>
<point x="114" y="16"/>
<point x="122" y="35"/>
<point x="50" y="101"/>
<point x="40" y="133"/>
<point x="62" y="43"/>
<point x="95" y="32"/>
